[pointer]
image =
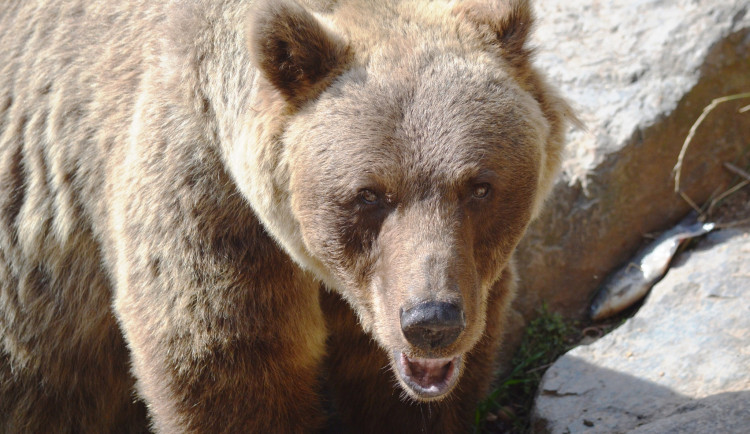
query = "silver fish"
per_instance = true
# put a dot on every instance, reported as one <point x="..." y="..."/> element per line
<point x="630" y="283"/>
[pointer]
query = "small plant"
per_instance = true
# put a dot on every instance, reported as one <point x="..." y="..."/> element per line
<point x="545" y="339"/>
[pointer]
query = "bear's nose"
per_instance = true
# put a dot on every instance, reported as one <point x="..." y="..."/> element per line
<point x="432" y="325"/>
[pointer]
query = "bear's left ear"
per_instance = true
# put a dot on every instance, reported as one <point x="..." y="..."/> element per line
<point x="293" y="50"/>
<point x="505" y="23"/>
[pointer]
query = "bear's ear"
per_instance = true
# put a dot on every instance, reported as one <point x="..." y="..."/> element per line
<point x="293" y="50"/>
<point x="506" y="24"/>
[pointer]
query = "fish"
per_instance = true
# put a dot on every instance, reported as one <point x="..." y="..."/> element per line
<point x="628" y="284"/>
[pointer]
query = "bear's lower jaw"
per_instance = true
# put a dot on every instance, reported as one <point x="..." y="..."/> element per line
<point x="427" y="379"/>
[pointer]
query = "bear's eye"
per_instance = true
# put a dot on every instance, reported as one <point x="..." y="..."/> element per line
<point x="368" y="196"/>
<point x="481" y="190"/>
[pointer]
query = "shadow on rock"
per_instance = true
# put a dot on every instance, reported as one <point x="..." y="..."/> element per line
<point x="600" y="400"/>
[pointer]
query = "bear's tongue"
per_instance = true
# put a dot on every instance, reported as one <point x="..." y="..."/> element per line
<point x="432" y="375"/>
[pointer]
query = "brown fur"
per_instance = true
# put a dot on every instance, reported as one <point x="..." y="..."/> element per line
<point x="176" y="179"/>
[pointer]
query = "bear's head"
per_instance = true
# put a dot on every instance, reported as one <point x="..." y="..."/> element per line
<point x="407" y="145"/>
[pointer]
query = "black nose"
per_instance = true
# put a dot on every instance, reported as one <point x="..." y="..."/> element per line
<point x="432" y="325"/>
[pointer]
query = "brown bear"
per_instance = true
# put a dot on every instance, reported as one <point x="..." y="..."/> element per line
<point x="214" y="212"/>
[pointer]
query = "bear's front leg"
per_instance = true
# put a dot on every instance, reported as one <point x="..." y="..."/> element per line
<point x="226" y="333"/>
<point x="368" y="398"/>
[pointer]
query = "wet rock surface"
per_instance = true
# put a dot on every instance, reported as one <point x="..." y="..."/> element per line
<point x="679" y="365"/>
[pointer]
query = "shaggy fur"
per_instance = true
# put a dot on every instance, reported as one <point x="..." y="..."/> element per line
<point x="178" y="178"/>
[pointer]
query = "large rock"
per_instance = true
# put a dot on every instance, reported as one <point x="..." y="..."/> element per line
<point x="640" y="72"/>
<point x="679" y="365"/>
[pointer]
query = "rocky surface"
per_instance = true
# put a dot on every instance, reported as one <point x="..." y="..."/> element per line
<point x="640" y="73"/>
<point x="679" y="365"/>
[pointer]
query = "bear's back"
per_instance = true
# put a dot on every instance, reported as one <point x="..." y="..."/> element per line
<point x="66" y="95"/>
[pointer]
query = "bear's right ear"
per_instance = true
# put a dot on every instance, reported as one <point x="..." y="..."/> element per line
<point x="293" y="50"/>
<point x="507" y="24"/>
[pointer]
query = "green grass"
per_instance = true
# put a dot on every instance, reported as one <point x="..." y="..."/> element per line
<point x="545" y="339"/>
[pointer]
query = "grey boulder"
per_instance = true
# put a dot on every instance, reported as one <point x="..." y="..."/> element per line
<point x="681" y="364"/>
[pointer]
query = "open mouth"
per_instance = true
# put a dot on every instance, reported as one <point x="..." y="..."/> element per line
<point x="428" y="378"/>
